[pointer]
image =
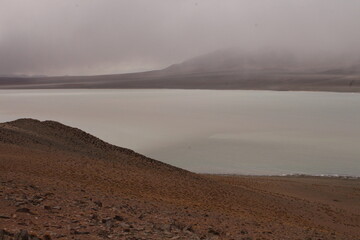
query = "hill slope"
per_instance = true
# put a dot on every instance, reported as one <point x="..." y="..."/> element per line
<point x="62" y="182"/>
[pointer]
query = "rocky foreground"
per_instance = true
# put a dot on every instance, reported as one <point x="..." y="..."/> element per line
<point x="57" y="182"/>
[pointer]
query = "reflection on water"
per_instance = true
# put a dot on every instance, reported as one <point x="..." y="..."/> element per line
<point x="245" y="132"/>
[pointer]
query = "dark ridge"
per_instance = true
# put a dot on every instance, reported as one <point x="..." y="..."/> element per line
<point x="52" y="135"/>
<point x="57" y="131"/>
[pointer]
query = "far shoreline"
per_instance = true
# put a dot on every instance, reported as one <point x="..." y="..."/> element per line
<point x="320" y="176"/>
<point x="183" y="89"/>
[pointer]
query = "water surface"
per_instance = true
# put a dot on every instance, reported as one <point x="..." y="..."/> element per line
<point x="242" y="132"/>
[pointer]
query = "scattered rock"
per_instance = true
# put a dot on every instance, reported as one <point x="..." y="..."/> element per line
<point x="246" y="238"/>
<point x="18" y="204"/>
<point x="22" y="235"/>
<point x="214" y="232"/>
<point x="188" y="228"/>
<point x="76" y="232"/>
<point x="108" y="222"/>
<point x="25" y="210"/>
<point x="118" y="218"/>
<point x="49" y="208"/>
<point x="60" y="235"/>
<point x="243" y="232"/>
<point x="47" y="237"/>
<point x="4" y="234"/>
<point x="94" y="217"/>
<point x="48" y="194"/>
<point x="34" y="187"/>
<point x="124" y="225"/>
<point x="98" y="203"/>
<point x="103" y="234"/>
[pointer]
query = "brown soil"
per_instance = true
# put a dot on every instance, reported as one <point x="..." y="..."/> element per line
<point x="61" y="183"/>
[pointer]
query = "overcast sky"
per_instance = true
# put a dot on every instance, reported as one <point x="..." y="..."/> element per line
<point x="66" y="37"/>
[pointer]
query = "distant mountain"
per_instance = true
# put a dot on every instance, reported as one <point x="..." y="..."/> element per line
<point x="20" y="75"/>
<point x="232" y="60"/>
<point x="355" y="69"/>
<point x="225" y="69"/>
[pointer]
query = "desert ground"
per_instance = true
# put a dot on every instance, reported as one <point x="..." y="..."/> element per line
<point x="58" y="182"/>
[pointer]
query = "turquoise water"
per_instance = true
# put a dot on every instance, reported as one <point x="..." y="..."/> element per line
<point x="231" y="132"/>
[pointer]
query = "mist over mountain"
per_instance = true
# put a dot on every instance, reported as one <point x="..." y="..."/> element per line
<point x="67" y="37"/>
<point x="228" y="60"/>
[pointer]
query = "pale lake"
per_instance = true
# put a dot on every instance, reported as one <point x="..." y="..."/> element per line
<point x="211" y="131"/>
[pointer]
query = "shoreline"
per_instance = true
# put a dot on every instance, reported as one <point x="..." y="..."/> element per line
<point x="181" y="89"/>
<point x="335" y="176"/>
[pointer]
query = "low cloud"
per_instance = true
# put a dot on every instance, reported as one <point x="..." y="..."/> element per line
<point x="63" y="37"/>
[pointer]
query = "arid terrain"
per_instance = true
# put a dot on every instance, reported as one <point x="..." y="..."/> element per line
<point x="58" y="182"/>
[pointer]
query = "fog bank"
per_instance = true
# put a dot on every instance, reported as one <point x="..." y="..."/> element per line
<point x="77" y="37"/>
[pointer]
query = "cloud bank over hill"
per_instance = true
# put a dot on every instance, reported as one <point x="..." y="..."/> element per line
<point x="77" y="37"/>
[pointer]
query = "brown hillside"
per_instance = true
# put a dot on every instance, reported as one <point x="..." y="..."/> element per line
<point x="62" y="182"/>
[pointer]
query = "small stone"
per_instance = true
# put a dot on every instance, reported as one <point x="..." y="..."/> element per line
<point x="94" y="217"/>
<point x="118" y="218"/>
<point x="98" y="203"/>
<point x="76" y="232"/>
<point x="22" y="235"/>
<point x="124" y="225"/>
<point x="3" y="233"/>
<point x="246" y="238"/>
<point x="166" y="227"/>
<point x="24" y="210"/>
<point x="108" y="222"/>
<point x="60" y="236"/>
<point x="243" y="232"/>
<point x="33" y="187"/>
<point x="214" y="232"/>
<point x="47" y="237"/>
<point x="33" y="237"/>
<point x="103" y="233"/>
<point x="18" y="204"/>
<point x="188" y="228"/>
